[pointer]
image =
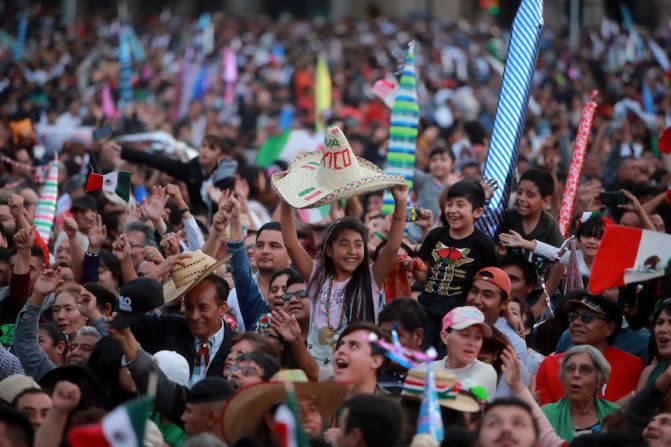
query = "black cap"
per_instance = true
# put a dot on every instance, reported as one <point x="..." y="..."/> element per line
<point x="210" y="389"/>
<point x="84" y="203"/>
<point x="136" y="298"/>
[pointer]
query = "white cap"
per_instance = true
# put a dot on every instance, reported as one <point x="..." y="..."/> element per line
<point x="173" y="365"/>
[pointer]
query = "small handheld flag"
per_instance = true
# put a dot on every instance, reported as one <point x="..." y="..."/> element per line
<point x="430" y="421"/>
<point x="117" y="182"/>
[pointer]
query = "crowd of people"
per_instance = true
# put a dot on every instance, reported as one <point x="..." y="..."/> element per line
<point x="207" y="291"/>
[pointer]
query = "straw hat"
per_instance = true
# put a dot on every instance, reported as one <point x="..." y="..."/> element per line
<point x="449" y="393"/>
<point x="244" y="412"/>
<point x="195" y="269"/>
<point x="317" y="178"/>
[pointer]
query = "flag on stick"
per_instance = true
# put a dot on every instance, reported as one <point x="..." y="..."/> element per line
<point x="117" y="182"/>
<point x="628" y="255"/>
<point x="323" y="101"/>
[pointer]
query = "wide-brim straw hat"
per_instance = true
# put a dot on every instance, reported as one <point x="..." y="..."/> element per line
<point x="449" y="394"/>
<point x="317" y="178"/>
<point x="195" y="269"/>
<point x="245" y="410"/>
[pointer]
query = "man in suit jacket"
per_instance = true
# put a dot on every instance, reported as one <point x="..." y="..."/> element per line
<point x="201" y="335"/>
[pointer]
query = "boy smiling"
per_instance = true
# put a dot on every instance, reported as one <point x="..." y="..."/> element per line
<point x="529" y="217"/>
<point x="453" y="254"/>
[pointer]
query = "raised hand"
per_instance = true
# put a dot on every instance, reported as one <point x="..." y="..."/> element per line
<point x="88" y="304"/>
<point x="153" y="255"/>
<point x="70" y="227"/>
<point x="220" y="221"/>
<point x="154" y="206"/>
<point x="633" y="205"/>
<point x="97" y="235"/>
<point x="425" y="218"/>
<point x="490" y="186"/>
<point x="511" y="369"/>
<point x="121" y="248"/>
<point x="25" y="238"/>
<point x="285" y="325"/>
<point x="47" y="281"/>
<point x="170" y="244"/>
<point x="168" y="264"/>
<point x="175" y="194"/>
<point x="512" y="239"/>
<point x="453" y="178"/>
<point x="66" y="396"/>
<point x="400" y="193"/>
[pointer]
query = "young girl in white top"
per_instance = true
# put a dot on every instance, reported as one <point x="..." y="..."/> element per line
<point x="343" y="286"/>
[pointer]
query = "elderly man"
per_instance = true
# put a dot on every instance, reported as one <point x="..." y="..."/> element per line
<point x="594" y="320"/>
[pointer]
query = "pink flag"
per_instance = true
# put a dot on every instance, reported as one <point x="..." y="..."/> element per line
<point x="230" y="74"/>
<point x="109" y="110"/>
<point x="386" y="91"/>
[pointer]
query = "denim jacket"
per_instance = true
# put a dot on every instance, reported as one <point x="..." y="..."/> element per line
<point x="251" y="302"/>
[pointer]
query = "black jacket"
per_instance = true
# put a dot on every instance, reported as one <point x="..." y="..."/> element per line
<point x="171" y="333"/>
<point x="188" y="172"/>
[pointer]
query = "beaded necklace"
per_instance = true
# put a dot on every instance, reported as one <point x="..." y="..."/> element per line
<point x="327" y="305"/>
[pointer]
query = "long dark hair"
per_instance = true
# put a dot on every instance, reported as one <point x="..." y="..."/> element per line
<point x="358" y="293"/>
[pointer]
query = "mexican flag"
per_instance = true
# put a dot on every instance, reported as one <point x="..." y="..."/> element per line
<point x="628" y="255"/>
<point x="123" y="427"/>
<point x="117" y="182"/>
<point x="314" y="215"/>
<point x="286" y="145"/>
<point x="288" y="426"/>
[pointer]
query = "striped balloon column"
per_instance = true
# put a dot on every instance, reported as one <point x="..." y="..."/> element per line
<point x="21" y="37"/>
<point x="46" y="204"/>
<point x="517" y="79"/>
<point x="403" y="128"/>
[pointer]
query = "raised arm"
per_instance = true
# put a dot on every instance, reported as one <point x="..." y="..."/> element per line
<point x="76" y="248"/>
<point x="121" y="249"/>
<point x="250" y="299"/>
<point x="65" y="399"/>
<point x="19" y="282"/>
<point x="388" y="254"/>
<point x="299" y="256"/>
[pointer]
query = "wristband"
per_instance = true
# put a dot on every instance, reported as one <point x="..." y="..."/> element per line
<point x="183" y="210"/>
<point x="380" y="236"/>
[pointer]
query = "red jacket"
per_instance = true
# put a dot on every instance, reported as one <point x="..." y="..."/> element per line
<point x="624" y="374"/>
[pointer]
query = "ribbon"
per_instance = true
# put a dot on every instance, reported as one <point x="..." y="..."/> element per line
<point x="397" y="353"/>
<point x="509" y="123"/>
<point x="577" y="163"/>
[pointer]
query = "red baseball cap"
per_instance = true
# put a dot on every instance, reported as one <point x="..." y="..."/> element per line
<point x="497" y="277"/>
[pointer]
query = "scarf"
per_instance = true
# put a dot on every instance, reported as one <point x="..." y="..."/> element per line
<point x="559" y="415"/>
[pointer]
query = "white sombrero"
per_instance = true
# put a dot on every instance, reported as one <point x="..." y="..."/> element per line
<point x="326" y="176"/>
<point x="195" y="269"/>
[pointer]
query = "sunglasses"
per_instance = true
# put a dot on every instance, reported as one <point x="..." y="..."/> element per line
<point x="584" y="370"/>
<point x="246" y="371"/>
<point x="298" y="293"/>
<point x="585" y="317"/>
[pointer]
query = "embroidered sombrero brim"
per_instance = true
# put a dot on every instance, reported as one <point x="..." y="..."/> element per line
<point x="244" y="412"/>
<point x="171" y="292"/>
<point x="299" y="187"/>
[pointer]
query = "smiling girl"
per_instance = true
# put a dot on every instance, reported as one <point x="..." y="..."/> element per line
<point x="343" y="287"/>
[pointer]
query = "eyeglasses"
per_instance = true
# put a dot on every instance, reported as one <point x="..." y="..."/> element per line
<point x="298" y="293"/>
<point x="246" y="371"/>
<point x="586" y="317"/>
<point x="584" y="370"/>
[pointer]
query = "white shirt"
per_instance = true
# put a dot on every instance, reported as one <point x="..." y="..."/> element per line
<point x="476" y="374"/>
<point x="214" y="343"/>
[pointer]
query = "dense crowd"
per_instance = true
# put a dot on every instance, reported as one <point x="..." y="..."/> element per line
<point x="210" y="293"/>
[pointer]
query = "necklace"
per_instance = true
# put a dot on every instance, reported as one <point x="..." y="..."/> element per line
<point x="327" y="334"/>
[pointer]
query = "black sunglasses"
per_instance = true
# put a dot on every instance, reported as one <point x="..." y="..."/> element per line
<point x="585" y="317"/>
<point x="298" y="293"/>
